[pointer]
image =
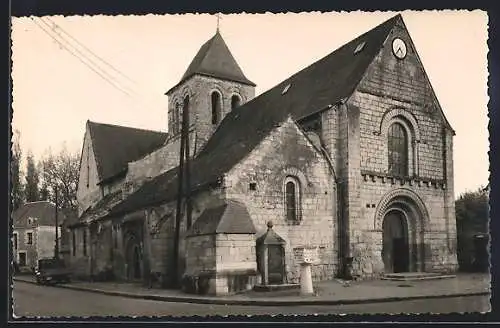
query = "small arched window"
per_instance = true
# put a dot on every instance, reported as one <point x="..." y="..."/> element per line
<point x="398" y="150"/>
<point x="216" y="107"/>
<point x="185" y="111"/>
<point x="235" y="101"/>
<point x="176" y="118"/>
<point x="292" y="199"/>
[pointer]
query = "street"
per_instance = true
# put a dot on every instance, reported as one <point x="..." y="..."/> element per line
<point x="46" y="301"/>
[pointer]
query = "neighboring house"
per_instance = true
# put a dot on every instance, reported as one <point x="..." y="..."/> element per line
<point x="34" y="233"/>
<point x="350" y="158"/>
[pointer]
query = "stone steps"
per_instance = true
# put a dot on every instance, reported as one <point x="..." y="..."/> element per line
<point x="415" y="276"/>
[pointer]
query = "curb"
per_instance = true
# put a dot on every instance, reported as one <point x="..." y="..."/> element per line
<point x="256" y="302"/>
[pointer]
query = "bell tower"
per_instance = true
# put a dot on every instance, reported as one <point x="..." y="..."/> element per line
<point x="212" y="86"/>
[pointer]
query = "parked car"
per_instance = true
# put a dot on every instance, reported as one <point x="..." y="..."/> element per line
<point x="52" y="271"/>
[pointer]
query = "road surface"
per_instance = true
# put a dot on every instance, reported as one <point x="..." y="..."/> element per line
<point x="47" y="301"/>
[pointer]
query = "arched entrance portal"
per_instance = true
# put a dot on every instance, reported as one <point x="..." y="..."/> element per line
<point x="395" y="249"/>
<point x="402" y="219"/>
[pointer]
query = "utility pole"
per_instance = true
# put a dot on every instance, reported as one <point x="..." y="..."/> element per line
<point x="56" y="247"/>
<point x="178" y="214"/>
<point x="189" y="205"/>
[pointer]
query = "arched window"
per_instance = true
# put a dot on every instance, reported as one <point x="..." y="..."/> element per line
<point x="185" y="111"/>
<point x="176" y="118"/>
<point x="235" y="101"/>
<point x="216" y="107"/>
<point x="292" y="199"/>
<point x="398" y="150"/>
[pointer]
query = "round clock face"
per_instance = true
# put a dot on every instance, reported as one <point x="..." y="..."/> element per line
<point x="399" y="48"/>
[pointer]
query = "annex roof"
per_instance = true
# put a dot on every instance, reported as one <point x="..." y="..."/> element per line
<point x="230" y="218"/>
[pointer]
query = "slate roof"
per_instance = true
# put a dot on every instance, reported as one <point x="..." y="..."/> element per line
<point x="214" y="59"/>
<point x="313" y="89"/>
<point x="114" y="146"/>
<point x="100" y="209"/>
<point x="230" y="218"/>
<point x="44" y="211"/>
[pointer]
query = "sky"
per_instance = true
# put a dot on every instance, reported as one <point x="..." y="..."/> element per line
<point x="134" y="60"/>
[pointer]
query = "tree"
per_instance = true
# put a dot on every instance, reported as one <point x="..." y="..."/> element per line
<point x="32" y="180"/>
<point x="472" y="211"/>
<point x="61" y="171"/>
<point x="44" y="188"/>
<point x="15" y="171"/>
<point x="472" y="214"/>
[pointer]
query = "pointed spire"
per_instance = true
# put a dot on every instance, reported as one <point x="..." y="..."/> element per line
<point x="215" y="59"/>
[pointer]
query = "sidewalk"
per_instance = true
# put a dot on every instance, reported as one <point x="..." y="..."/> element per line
<point x="328" y="293"/>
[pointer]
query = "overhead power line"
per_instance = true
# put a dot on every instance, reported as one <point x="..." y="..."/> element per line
<point x="89" y="51"/>
<point x="102" y="74"/>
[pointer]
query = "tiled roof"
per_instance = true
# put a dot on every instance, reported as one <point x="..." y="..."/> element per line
<point x="313" y="89"/>
<point x="114" y="146"/>
<point x="214" y="59"/>
<point x="43" y="211"/>
<point x="231" y="217"/>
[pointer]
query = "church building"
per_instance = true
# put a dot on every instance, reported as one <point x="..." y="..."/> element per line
<point x="349" y="159"/>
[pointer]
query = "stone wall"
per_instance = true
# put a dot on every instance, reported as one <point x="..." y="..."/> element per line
<point x="236" y="252"/>
<point x="80" y="261"/>
<point x="159" y="161"/>
<point x="286" y="152"/>
<point x="161" y="223"/>
<point x="88" y="192"/>
<point x="200" y="254"/>
<point x="397" y="90"/>
<point x="199" y="88"/>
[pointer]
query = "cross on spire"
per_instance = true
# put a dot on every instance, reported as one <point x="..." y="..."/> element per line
<point x="218" y="21"/>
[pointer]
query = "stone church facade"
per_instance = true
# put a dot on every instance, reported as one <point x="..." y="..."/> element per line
<point x="350" y="159"/>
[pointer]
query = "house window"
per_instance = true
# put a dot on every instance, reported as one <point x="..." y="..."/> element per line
<point x="84" y="237"/>
<point x="216" y="107"/>
<point x="235" y="101"/>
<point x="292" y="199"/>
<point x="398" y="150"/>
<point x="29" y="236"/>
<point x="73" y="237"/>
<point x="14" y="241"/>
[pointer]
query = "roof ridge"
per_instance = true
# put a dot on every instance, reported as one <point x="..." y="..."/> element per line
<point x="334" y="51"/>
<point x="126" y="127"/>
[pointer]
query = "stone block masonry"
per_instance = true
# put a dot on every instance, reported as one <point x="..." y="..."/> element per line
<point x="286" y="152"/>
<point x="199" y="90"/>
<point x="398" y="91"/>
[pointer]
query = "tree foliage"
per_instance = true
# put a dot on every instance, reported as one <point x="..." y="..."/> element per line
<point x="31" y="192"/>
<point x="15" y="171"/>
<point x="472" y="211"/>
<point x="60" y="171"/>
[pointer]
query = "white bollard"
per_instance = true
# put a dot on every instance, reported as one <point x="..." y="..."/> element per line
<point x="306" y="285"/>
